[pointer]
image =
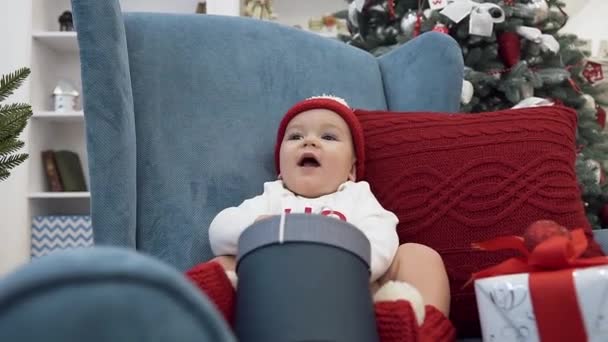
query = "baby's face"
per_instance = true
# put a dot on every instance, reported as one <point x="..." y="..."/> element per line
<point x="317" y="153"/>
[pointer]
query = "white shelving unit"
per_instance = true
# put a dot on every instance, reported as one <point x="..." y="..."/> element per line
<point x="58" y="41"/>
<point x="58" y="116"/>
<point x="55" y="57"/>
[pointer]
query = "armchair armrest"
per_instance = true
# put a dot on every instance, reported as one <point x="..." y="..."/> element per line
<point x="104" y="294"/>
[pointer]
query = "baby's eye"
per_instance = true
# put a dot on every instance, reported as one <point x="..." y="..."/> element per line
<point x="328" y="136"/>
<point x="294" y="136"/>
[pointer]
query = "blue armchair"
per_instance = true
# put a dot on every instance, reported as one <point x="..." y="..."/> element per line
<point x="181" y="112"/>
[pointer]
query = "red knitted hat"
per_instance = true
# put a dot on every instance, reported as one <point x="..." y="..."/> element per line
<point x="336" y="105"/>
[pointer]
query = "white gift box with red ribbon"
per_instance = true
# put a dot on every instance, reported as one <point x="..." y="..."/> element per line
<point x="507" y="313"/>
<point x="549" y="292"/>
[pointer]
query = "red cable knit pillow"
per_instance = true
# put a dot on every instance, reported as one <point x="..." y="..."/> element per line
<point x="454" y="179"/>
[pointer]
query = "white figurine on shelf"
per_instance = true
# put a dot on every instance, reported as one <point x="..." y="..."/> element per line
<point x="65" y="96"/>
<point x="260" y="9"/>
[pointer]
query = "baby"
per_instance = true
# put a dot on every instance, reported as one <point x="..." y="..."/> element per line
<point x="318" y="166"/>
<point x="319" y="157"/>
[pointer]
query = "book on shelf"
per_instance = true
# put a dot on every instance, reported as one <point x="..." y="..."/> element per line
<point x="64" y="171"/>
<point x="50" y="169"/>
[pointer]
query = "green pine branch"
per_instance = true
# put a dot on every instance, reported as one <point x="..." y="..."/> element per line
<point x="10" y="146"/>
<point x="19" y="107"/>
<point x="10" y="162"/>
<point x="4" y="174"/>
<point x="12" y="81"/>
<point x="13" y="119"/>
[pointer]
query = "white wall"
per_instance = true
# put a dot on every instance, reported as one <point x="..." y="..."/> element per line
<point x="15" y="23"/>
<point x="589" y="22"/>
<point x="574" y="6"/>
<point x="293" y="12"/>
<point x="171" y="6"/>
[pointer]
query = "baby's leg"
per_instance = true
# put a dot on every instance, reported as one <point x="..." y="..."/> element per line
<point x="213" y="278"/>
<point x="228" y="262"/>
<point x="423" y="268"/>
<point x="398" y="320"/>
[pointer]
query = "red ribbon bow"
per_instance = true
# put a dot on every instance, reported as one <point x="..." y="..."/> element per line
<point x="555" y="253"/>
<point x="551" y="285"/>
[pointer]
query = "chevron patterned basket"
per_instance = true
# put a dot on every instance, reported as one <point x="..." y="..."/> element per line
<point x="50" y="233"/>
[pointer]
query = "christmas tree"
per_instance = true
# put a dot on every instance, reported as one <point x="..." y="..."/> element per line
<point x="13" y="119"/>
<point x="514" y="56"/>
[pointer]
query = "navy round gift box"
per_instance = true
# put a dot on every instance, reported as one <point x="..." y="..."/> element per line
<point x="306" y="282"/>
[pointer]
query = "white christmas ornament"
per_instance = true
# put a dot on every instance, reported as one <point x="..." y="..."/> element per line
<point x="408" y="22"/>
<point x="535" y="10"/>
<point x="533" y="102"/>
<point x="483" y="16"/>
<point x="526" y="90"/>
<point x="458" y="10"/>
<point x="595" y="167"/>
<point x="590" y="102"/>
<point x="359" y="4"/>
<point x="352" y="14"/>
<point x="467" y="92"/>
<point x="437" y="4"/>
<point x="546" y="41"/>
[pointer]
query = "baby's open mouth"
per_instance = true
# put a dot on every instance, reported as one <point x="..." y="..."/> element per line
<point x="308" y="160"/>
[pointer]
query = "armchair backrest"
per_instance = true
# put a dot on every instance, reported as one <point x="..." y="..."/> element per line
<point x="181" y="112"/>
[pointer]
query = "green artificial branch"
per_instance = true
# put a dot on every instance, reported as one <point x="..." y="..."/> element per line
<point x="13" y="120"/>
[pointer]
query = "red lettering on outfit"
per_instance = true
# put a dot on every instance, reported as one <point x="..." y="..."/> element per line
<point x="335" y="213"/>
<point x="308" y="210"/>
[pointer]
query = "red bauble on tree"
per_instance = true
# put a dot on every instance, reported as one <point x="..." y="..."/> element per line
<point x="540" y="231"/>
<point x="601" y="116"/>
<point x="441" y="28"/>
<point x="509" y="48"/>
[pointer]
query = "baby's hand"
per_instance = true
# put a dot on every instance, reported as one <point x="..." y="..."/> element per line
<point x="262" y="217"/>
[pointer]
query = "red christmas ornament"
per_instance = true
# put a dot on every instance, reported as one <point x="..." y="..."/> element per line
<point x="593" y="72"/>
<point x="391" y="9"/>
<point x="508" y="48"/>
<point x="441" y="28"/>
<point x="601" y="116"/>
<point x="418" y="24"/>
<point x="574" y="85"/>
<point x="540" y="231"/>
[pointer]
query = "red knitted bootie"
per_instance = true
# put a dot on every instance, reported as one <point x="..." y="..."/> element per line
<point x="211" y="278"/>
<point x="396" y="321"/>
<point x="399" y="312"/>
<point x="436" y="327"/>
